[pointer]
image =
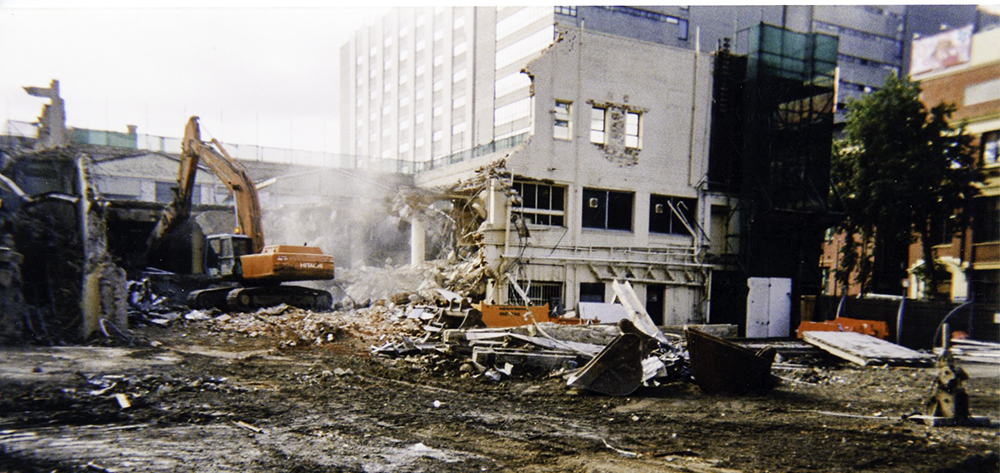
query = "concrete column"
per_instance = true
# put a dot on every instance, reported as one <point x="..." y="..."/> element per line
<point x="417" y="243"/>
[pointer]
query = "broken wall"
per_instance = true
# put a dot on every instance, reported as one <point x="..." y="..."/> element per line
<point x="552" y="244"/>
<point x="68" y="283"/>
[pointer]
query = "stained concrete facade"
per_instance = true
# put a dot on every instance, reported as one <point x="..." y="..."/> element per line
<point x="641" y="173"/>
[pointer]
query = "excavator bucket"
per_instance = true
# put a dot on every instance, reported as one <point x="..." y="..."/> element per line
<point x="615" y="371"/>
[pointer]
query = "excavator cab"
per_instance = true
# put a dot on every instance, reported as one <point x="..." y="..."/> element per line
<point x="223" y="252"/>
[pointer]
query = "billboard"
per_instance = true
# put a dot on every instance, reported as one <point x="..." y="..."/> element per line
<point x="941" y="51"/>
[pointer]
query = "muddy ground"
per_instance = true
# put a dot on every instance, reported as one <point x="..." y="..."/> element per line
<point x="205" y="399"/>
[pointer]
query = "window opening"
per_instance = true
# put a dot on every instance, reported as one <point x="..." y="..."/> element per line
<point x="991" y="148"/>
<point x="597" y="124"/>
<point x="561" y="129"/>
<point x="591" y="292"/>
<point x="663" y="219"/>
<point x="541" y="204"/>
<point x="986" y="219"/>
<point x="608" y="210"/>
<point x="632" y="130"/>
<point x="539" y="293"/>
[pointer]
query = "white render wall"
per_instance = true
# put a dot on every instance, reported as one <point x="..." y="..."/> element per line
<point x="673" y="89"/>
<point x="656" y="78"/>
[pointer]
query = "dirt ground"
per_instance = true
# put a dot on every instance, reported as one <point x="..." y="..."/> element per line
<point x="205" y="399"/>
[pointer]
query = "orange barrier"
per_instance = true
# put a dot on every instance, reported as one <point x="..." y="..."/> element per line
<point x="515" y="315"/>
<point x="874" y="328"/>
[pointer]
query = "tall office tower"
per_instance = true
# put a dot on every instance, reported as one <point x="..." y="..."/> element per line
<point x="521" y="33"/>
<point x="408" y="84"/>
<point x="423" y="83"/>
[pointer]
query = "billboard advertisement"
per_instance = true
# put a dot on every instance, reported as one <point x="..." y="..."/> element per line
<point x="941" y="51"/>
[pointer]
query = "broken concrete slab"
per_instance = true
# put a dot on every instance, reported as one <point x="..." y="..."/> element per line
<point x="545" y="359"/>
<point x="865" y="349"/>
<point x="554" y="344"/>
<point x="973" y="351"/>
<point x="718" y="330"/>
<point x="499" y="337"/>
<point x="604" y="312"/>
<point x="632" y="359"/>
<point x="616" y="371"/>
<point x="597" y="334"/>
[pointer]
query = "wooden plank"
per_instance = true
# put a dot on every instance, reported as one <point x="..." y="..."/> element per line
<point x="865" y="349"/>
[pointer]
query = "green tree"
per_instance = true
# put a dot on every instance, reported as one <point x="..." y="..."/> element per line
<point x="903" y="171"/>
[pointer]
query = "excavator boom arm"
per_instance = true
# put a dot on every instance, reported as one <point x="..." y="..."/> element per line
<point x="228" y="170"/>
<point x="179" y="209"/>
<point x="236" y="179"/>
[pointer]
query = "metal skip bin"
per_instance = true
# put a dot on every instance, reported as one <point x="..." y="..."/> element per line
<point x="722" y="366"/>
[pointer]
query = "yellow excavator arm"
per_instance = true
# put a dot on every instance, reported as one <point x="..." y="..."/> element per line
<point x="228" y="170"/>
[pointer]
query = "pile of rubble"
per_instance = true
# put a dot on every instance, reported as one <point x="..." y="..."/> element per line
<point x="443" y="328"/>
<point x="296" y="327"/>
<point x="609" y="359"/>
<point x="363" y="285"/>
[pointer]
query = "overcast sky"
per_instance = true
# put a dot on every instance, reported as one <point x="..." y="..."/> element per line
<point x="255" y="75"/>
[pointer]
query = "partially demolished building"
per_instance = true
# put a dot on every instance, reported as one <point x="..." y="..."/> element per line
<point x="76" y="212"/>
<point x="620" y="151"/>
<point x="608" y="186"/>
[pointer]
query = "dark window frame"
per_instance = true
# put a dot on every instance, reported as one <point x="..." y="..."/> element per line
<point x="589" y="292"/>
<point x="986" y="219"/>
<point x="539" y="293"/>
<point x="604" y="209"/>
<point x="541" y="204"/>
<point x="662" y="219"/>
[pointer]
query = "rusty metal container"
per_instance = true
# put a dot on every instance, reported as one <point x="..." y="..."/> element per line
<point x="722" y="366"/>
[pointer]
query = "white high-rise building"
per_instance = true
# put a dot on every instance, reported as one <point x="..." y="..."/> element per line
<point x="407" y="91"/>
<point x="424" y="83"/>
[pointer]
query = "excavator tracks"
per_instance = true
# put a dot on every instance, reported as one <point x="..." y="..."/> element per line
<point x="250" y="298"/>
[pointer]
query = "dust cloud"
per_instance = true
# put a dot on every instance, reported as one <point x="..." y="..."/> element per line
<point x="350" y="214"/>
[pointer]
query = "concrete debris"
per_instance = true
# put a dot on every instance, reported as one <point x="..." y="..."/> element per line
<point x="973" y="351"/>
<point x="948" y="404"/>
<point x="545" y="359"/>
<point x="251" y="428"/>
<point x="196" y="315"/>
<point x="123" y="401"/>
<point x="866" y="350"/>
<point x="546" y="349"/>
<point x="91" y="466"/>
<point x="375" y="324"/>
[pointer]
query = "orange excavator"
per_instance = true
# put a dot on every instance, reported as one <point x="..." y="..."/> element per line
<point x="244" y="274"/>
